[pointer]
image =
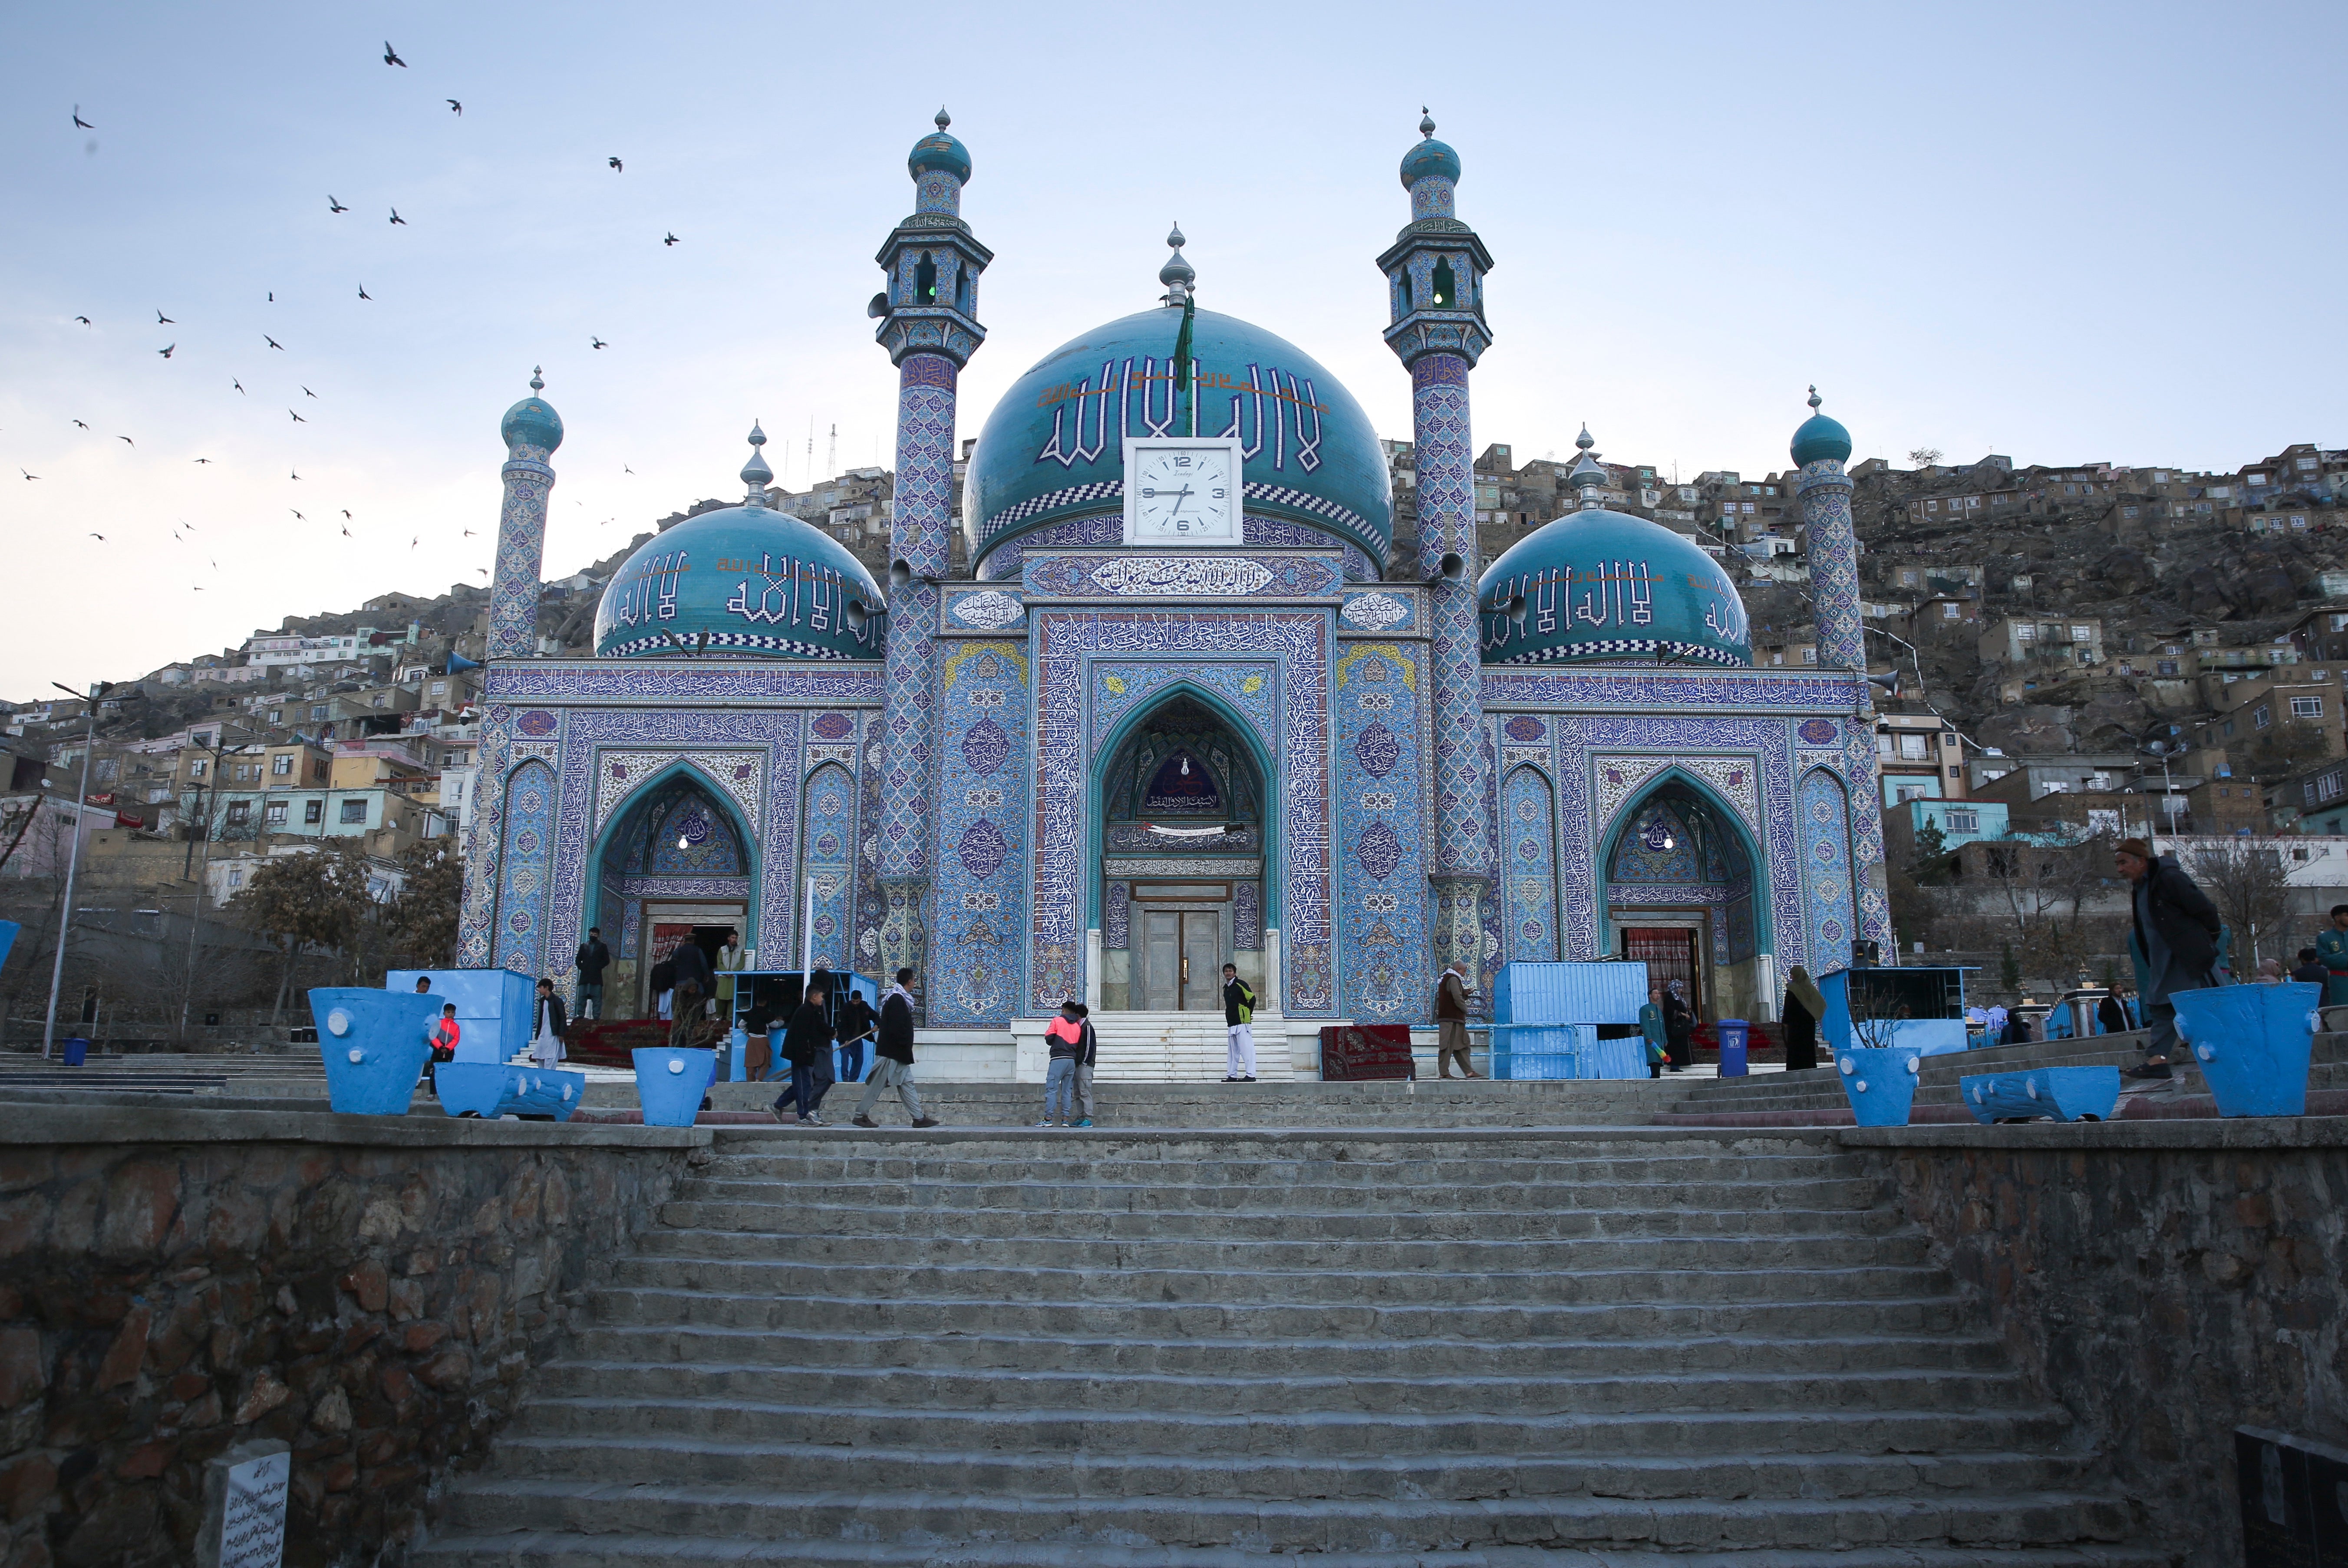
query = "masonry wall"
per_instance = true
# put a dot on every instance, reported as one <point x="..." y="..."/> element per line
<point x="2167" y="1282"/>
<point x="370" y="1291"/>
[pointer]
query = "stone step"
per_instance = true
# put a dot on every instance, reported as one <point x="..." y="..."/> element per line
<point x="1243" y="1263"/>
<point x="1248" y="1388"/>
<point x="673" y="1342"/>
<point x="1350" y="1322"/>
<point x="1689" y="1200"/>
<point x="768" y="1511"/>
<point x="1030" y="1282"/>
<point x="1425" y="1176"/>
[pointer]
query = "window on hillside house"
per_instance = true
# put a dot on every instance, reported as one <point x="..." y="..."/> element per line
<point x="354" y="811"/>
<point x="1964" y="822"/>
<point x="274" y="813"/>
<point x="314" y="812"/>
<point x="2262" y="718"/>
<point x="2307" y="707"/>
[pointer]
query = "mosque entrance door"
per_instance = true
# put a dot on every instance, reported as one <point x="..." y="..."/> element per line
<point x="1181" y="960"/>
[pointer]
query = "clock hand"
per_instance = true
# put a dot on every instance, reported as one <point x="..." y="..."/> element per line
<point x="1179" y="496"/>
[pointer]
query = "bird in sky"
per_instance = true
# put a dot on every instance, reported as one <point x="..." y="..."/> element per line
<point x="616" y="166"/>
<point x="79" y="121"/>
<point x="333" y="205"/>
<point x="29" y="474"/>
<point x="347" y="514"/>
<point x="307" y="393"/>
<point x="273" y="342"/>
<point x="100" y="538"/>
<point x="346" y="533"/>
<point x="166" y="352"/>
<point x="164" y="320"/>
<point x="83" y="426"/>
<point x="296" y="475"/>
<point x="272" y="296"/>
<point x="297" y="418"/>
<point x="625" y="469"/>
<point x="363" y="293"/>
<point x="83" y="320"/>
<point x="238" y="384"/>
<point x="201" y="459"/>
<point x="468" y="533"/>
<point x="413" y="542"/>
<point x="456" y="108"/>
<point x="297" y="517"/>
<point x="594" y="342"/>
<point x="397" y="219"/>
<point x="128" y="442"/>
<point x="391" y="56"/>
<point x="482" y="569"/>
<point x="197" y="587"/>
<point x="670" y="240"/>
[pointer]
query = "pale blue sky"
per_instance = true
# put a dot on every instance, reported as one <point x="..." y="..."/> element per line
<point x="2066" y="233"/>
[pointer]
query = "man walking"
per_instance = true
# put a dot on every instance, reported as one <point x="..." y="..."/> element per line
<point x="1238" y="1027"/>
<point x="2174" y="942"/>
<point x="1451" y="1021"/>
<point x="593" y="958"/>
<point x="808" y="1045"/>
<point x="694" y="981"/>
<point x="547" y="1026"/>
<point x="892" y="1056"/>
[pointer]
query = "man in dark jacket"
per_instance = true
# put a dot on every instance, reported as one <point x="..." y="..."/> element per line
<point x="807" y="1045"/>
<point x="694" y="981"/>
<point x="2174" y="942"/>
<point x="892" y="1055"/>
<point x="593" y="958"/>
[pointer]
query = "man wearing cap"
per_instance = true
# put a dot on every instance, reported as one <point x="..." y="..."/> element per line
<point x="2174" y="942"/>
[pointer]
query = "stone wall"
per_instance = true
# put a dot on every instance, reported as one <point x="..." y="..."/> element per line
<point x="370" y="1290"/>
<point x="2166" y="1281"/>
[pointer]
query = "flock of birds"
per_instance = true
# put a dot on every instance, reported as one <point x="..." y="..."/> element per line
<point x="334" y="207"/>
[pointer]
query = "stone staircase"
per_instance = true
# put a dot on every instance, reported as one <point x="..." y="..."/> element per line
<point x="1178" y="1047"/>
<point x="1815" y="1098"/>
<point x="1614" y="1346"/>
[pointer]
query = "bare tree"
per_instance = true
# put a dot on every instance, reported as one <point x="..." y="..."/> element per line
<point x="315" y="899"/>
<point x="2042" y="886"/>
<point x="420" y="925"/>
<point x="1924" y="456"/>
<point x="2250" y="882"/>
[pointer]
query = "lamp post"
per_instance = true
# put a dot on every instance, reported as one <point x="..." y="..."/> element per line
<point x="73" y="863"/>
<point x="202" y="878"/>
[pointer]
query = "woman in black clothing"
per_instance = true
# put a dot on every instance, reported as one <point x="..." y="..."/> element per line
<point x="1679" y="1026"/>
<point x="1805" y="1009"/>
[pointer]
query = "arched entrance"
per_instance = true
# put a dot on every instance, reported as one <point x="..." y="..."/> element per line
<point x="1183" y="828"/>
<point x="677" y="866"/>
<point x="1681" y="878"/>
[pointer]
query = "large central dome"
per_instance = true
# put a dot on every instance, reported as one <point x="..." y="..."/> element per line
<point x="1050" y="463"/>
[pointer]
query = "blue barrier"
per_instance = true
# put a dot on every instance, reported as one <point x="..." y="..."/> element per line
<point x="8" y="929"/>
<point x="493" y="1007"/>
<point x="670" y="1082"/>
<point x="2064" y="1094"/>
<point x="480" y="1088"/>
<point x="374" y="1046"/>
<point x="2254" y="1044"/>
<point x="1879" y="1084"/>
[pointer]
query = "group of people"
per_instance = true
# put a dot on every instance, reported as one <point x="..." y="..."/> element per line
<point x="815" y="1029"/>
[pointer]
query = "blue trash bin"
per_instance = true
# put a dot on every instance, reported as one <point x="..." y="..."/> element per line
<point x="1733" y="1042"/>
<point x="76" y="1051"/>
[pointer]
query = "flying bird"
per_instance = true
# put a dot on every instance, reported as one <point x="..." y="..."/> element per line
<point x="615" y="163"/>
<point x="297" y="517"/>
<point x="273" y="342"/>
<point x="347" y="514"/>
<point x="79" y="121"/>
<point x="272" y="296"/>
<point x="28" y="475"/>
<point x="164" y="320"/>
<point x="468" y="533"/>
<point x="594" y="342"/>
<point x="307" y="393"/>
<point x="363" y="293"/>
<point x="456" y="108"/>
<point x="413" y="542"/>
<point x="670" y="240"/>
<point x="166" y="352"/>
<point x="391" y="56"/>
<point x="83" y="320"/>
<point x="348" y="534"/>
<point x="238" y="384"/>
<point x="100" y="538"/>
<point x="397" y="219"/>
<point x="333" y="205"/>
<point x="127" y="441"/>
<point x="625" y="469"/>
<point x="201" y="459"/>
<point x="83" y="426"/>
<point x="297" y="418"/>
<point x="296" y="475"/>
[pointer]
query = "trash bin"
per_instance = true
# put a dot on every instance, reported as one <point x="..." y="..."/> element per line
<point x="76" y="1051"/>
<point x="1733" y="1063"/>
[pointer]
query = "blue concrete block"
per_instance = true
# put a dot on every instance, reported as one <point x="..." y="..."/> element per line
<point x="8" y="929"/>
<point x="493" y="1007"/>
<point x="2253" y="1043"/>
<point x="1880" y="1084"/>
<point x="2064" y="1094"/>
<point x="374" y="1046"/>
<point x="494" y="1090"/>
<point x="670" y="1083"/>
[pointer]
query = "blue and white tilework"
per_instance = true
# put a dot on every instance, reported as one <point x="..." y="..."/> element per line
<point x="514" y="583"/>
<point x="978" y="887"/>
<point x="1383" y="712"/>
<point x="526" y="857"/>
<point x="1528" y="866"/>
<point x="828" y="841"/>
<point x="1826" y="864"/>
<point x="1447" y="511"/>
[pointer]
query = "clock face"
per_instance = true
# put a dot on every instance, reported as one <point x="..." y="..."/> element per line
<point x="1180" y="492"/>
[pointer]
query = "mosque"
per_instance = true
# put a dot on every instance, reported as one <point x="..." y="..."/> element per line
<point x="1191" y="704"/>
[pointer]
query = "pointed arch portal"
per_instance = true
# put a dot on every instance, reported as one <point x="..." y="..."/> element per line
<point x="677" y="863"/>
<point x="1681" y="875"/>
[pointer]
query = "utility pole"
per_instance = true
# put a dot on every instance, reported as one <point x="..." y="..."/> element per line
<point x="72" y="864"/>
<point x="196" y="908"/>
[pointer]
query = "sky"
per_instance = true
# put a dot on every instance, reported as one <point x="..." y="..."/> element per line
<point x="2062" y="233"/>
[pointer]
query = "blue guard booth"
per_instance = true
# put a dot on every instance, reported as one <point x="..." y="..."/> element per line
<point x="493" y="1007"/>
<point x="785" y="986"/>
<point x="1547" y="1019"/>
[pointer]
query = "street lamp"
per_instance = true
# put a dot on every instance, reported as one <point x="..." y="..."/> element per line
<point x="73" y="861"/>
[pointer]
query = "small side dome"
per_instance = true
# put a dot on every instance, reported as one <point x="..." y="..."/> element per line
<point x="940" y="151"/>
<point x="533" y="422"/>
<point x="1604" y="587"/>
<point x="1429" y="157"/>
<point x="1820" y="438"/>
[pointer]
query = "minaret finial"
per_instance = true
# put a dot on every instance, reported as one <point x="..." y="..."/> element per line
<point x="1585" y="441"/>
<point x="943" y="118"/>
<point x="1426" y="123"/>
<point x="1814" y="395"/>
<point x="537" y="379"/>
<point x="1177" y="274"/>
<point x="755" y="473"/>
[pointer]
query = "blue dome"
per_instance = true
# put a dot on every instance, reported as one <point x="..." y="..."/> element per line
<point x="1605" y="587"/>
<point x="941" y="152"/>
<point x="533" y="422"/>
<point x="1053" y="449"/>
<point x="1820" y="437"/>
<point x="761" y="583"/>
<point x="1429" y="157"/>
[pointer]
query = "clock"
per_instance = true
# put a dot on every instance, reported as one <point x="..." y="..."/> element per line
<point x="1182" y="491"/>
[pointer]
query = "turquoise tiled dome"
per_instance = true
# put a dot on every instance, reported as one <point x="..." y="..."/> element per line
<point x="533" y="422"/>
<point x="1820" y="437"/>
<point x="1053" y="447"/>
<point x="1429" y="157"/>
<point x="941" y="152"/>
<point x="1605" y="587"/>
<point x="761" y="583"/>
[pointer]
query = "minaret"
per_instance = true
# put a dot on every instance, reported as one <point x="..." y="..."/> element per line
<point x="1435" y="278"/>
<point x="1820" y="448"/>
<point x="532" y="430"/>
<point x="929" y="325"/>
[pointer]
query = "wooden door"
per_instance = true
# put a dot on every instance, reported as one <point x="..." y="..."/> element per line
<point x="1203" y="959"/>
<point x="1160" y="989"/>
